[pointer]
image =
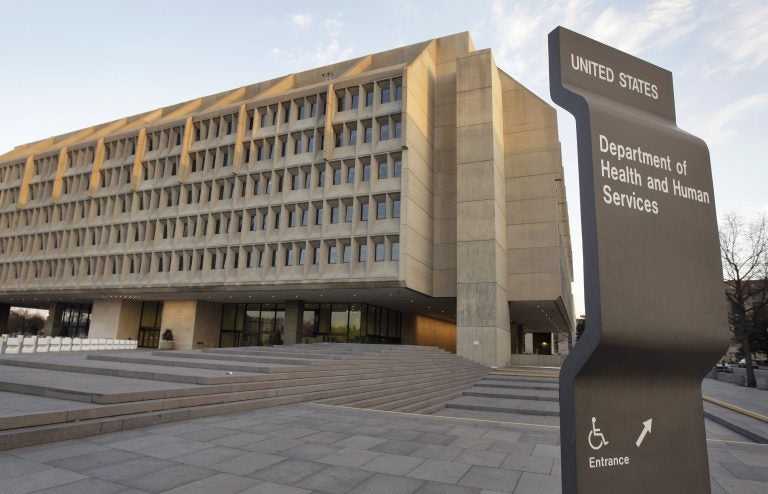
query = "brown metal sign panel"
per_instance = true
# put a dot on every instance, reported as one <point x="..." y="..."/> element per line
<point x="630" y="391"/>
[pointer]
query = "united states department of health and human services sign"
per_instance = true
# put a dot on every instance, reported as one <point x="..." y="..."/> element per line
<point x="630" y="392"/>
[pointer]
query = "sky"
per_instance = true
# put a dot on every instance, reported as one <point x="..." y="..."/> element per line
<point x="70" y="65"/>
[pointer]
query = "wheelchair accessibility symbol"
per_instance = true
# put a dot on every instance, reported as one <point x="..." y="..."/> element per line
<point x="596" y="438"/>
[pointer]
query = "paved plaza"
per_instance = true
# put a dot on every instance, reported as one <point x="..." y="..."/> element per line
<point x="307" y="448"/>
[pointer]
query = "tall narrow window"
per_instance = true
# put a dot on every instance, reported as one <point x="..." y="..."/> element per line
<point x="379" y="254"/>
<point x="362" y="253"/>
<point x="395" y="254"/>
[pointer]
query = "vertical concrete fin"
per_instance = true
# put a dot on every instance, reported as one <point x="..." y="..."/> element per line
<point x="185" y="144"/>
<point x="98" y="161"/>
<point x="61" y="168"/>
<point x="330" y="115"/>
<point x="239" y="145"/>
<point x="29" y="167"/>
<point x="141" y="146"/>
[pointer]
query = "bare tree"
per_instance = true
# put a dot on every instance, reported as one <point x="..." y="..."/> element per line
<point x="744" y="249"/>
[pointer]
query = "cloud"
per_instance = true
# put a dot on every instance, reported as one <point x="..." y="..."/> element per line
<point x="331" y="51"/>
<point x="742" y="39"/>
<point x="300" y="21"/>
<point x="720" y="126"/>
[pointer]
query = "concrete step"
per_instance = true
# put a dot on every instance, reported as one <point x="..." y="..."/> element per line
<point x="255" y="358"/>
<point x="172" y="361"/>
<point x="499" y="416"/>
<point x="521" y="379"/>
<point x="518" y="394"/>
<point x="505" y="405"/>
<point x="445" y="392"/>
<point x="749" y="427"/>
<point x="487" y="383"/>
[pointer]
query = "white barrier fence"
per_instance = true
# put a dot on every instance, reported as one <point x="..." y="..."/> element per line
<point x="45" y="344"/>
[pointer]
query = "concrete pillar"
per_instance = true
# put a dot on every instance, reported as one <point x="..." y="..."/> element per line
<point x="294" y="318"/>
<point x="117" y="319"/>
<point x="483" y="332"/>
<point x="5" y="312"/>
<point x="195" y="323"/>
<point x="52" y="325"/>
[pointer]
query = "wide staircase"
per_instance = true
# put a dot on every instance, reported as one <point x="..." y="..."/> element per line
<point x="53" y="397"/>
<point x="513" y="394"/>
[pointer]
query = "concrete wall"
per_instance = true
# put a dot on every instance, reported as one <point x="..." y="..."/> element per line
<point x="115" y="319"/>
<point x="195" y="323"/>
<point x="481" y="257"/>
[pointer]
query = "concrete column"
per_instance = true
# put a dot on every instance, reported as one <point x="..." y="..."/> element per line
<point x="294" y="318"/>
<point x="117" y="319"/>
<point x="195" y="323"/>
<point x="5" y="312"/>
<point x="52" y="325"/>
<point x="483" y="332"/>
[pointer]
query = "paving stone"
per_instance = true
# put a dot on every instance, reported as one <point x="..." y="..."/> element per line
<point x="512" y="447"/>
<point x="387" y="484"/>
<point x="310" y="451"/>
<point x="546" y="451"/>
<point x="463" y="431"/>
<point x="175" y="447"/>
<point x="208" y="456"/>
<point x="136" y="467"/>
<point x="434" y="452"/>
<point x="747" y="472"/>
<point x="325" y="437"/>
<point x="239" y="439"/>
<point x="751" y="459"/>
<point x="440" y="488"/>
<point x="87" y="462"/>
<point x="138" y="443"/>
<point x="434" y="438"/>
<point x="501" y="435"/>
<point x="439" y="471"/>
<point x="534" y="483"/>
<point x="37" y="481"/>
<point x="399" y="434"/>
<point x="539" y="439"/>
<point x="472" y="442"/>
<point x="335" y="480"/>
<point x="247" y="463"/>
<point x="397" y="447"/>
<point x="525" y="463"/>
<point x="294" y="432"/>
<point x="11" y="466"/>
<point x="86" y="486"/>
<point x="272" y="445"/>
<point x="289" y="471"/>
<point x="222" y="483"/>
<point x="491" y="478"/>
<point x="167" y="478"/>
<point x="56" y="451"/>
<point x="273" y="488"/>
<point x="392" y="464"/>
<point x="349" y="457"/>
<point x="208" y="434"/>
<point x="359" y="442"/>
<point x="482" y="458"/>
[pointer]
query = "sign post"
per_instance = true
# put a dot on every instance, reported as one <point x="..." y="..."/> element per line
<point x="631" y="416"/>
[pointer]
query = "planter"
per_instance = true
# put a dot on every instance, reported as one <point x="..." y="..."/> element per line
<point x="165" y="345"/>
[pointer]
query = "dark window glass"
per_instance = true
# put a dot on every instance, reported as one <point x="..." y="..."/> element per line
<point x="381" y="210"/>
<point x="379" y="251"/>
<point x="395" y="251"/>
<point x="362" y="255"/>
<point x="364" y="211"/>
<point x="331" y="254"/>
<point x="396" y="208"/>
<point x="348" y="209"/>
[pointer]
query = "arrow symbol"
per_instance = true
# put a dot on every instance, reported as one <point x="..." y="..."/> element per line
<point x="646" y="430"/>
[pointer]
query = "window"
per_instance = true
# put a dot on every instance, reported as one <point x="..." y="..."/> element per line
<point x="339" y="138"/>
<point x="398" y="89"/>
<point x="355" y="100"/>
<point x="385" y="93"/>
<point x="337" y="175"/>
<point x="351" y="174"/>
<point x="321" y="178"/>
<point x="382" y="168"/>
<point x="368" y="133"/>
<point x="297" y="145"/>
<point x="265" y="118"/>
<point x="396" y="208"/>
<point x="346" y="254"/>
<point x="289" y="257"/>
<point x="398" y="167"/>
<point x="352" y="136"/>
<point x="334" y="214"/>
<point x="398" y="129"/>
<point x="364" y="211"/>
<point x="379" y="251"/>
<point x="319" y="216"/>
<point x="381" y="210"/>
<point x="277" y="220"/>
<point x="295" y="181"/>
<point x="362" y="253"/>
<point x="340" y="102"/>
<point x="395" y="254"/>
<point x="331" y="254"/>
<point x="305" y="217"/>
<point x="307" y="179"/>
<point x="292" y="217"/>
<point x="316" y="255"/>
<point x="310" y="144"/>
<point x="384" y="130"/>
<point x="366" y="172"/>
<point x="273" y="263"/>
<point x="369" y="97"/>
<point x="302" y="256"/>
<point x="313" y="109"/>
<point x="348" y="211"/>
<point x="300" y="111"/>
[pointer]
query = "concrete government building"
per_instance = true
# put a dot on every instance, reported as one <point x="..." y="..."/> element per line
<point x="410" y="196"/>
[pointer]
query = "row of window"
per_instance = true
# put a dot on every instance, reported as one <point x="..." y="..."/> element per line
<point x="283" y="255"/>
<point x="317" y="213"/>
